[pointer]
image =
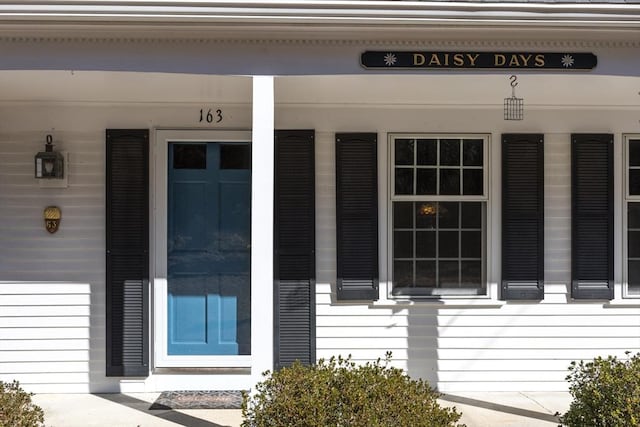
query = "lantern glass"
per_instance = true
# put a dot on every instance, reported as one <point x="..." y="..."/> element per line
<point x="49" y="165"/>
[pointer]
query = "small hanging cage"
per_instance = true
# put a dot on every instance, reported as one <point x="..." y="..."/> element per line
<point x="513" y="106"/>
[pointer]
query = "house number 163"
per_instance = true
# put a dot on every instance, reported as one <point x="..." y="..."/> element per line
<point x="210" y="116"/>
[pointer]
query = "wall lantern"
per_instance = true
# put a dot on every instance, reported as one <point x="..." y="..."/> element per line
<point x="49" y="163"/>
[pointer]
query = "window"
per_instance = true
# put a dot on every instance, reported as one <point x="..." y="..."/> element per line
<point x="438" y="214"/>
<point x="633" y="215"/>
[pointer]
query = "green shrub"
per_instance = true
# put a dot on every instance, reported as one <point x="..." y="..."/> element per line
<point x="16" y="408"/>
<point x="606" y="392"/>
<point x="341" y="393"/>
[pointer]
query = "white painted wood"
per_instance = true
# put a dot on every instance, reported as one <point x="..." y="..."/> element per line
<point x="489" y="386"/>
<point x="43" y="355"/>
<point x="43" y="333"/>
<point x="475" y="332"/>
<point x="44" y="344"/>
<point x="162" y="357"/>
<point x="44" y="322"/>
<point x="39" y="311"/>
<point x="402" y="320"/>
<point x="262" y="191"/>
<point x="46" y="300"/>
<point x="47" y="366"/>
<point x="44" y="288"/>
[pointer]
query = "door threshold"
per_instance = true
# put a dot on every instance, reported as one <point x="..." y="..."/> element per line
<point x="202" y="371"/>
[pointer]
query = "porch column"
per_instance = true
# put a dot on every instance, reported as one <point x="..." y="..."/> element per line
<point x="262" y="173"/>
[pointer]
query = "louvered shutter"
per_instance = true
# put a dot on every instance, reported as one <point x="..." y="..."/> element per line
<point x="294" y="247"/>
<point x="357" y="216"/>
<point x="592" y="216"/>
<point x="127" y="281"/>
<point x="522" y="217"/>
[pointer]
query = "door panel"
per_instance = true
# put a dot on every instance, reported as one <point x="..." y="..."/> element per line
<point x="208" y="251"/>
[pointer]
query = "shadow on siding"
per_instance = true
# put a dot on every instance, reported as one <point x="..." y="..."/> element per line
<point x="499" y="408"/>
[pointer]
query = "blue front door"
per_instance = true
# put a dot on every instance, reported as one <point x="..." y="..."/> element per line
<point x="209" y="302"/>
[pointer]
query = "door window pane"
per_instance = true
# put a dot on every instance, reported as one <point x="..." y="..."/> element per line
<point x="236" y="156"/>
<point x="189" y="156"/>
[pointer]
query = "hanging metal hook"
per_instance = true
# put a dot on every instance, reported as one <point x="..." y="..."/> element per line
<point x="514" y="83"/>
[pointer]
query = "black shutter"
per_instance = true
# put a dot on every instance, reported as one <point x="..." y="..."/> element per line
<point x="592" y="216"/>
<point x="522" y="217"/>
<point x="127" y="215"/>
<point x="357" y="216"/>
<point x="294" y="238"/>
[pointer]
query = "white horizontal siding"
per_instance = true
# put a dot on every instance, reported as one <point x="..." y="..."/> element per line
<point x="52" y="286"/>
<point x="45" y="321"/>
<point x="508" y="347"/>
<point x="44" y="339"/>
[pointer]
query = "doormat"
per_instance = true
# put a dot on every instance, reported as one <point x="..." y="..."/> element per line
<point x="228" y="399"/>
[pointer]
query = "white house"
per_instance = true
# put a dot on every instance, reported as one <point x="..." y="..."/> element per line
<point x="247" y="183"/>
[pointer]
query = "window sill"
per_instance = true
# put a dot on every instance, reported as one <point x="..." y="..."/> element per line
<point x="479" y="302"/>
<point x="629" y="302"/>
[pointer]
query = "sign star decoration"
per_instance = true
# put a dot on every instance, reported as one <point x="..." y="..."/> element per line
<point x="567" y="61"/>
<point x="390" y="59"/>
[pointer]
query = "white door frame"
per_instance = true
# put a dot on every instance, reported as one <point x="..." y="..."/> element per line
<point x="159" y="241"/>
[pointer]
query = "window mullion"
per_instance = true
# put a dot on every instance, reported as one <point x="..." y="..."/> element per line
<point x="437" y="249"/>
<point x="460" y="244"/>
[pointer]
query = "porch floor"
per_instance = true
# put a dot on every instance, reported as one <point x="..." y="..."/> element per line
<point x="479" y="409"/>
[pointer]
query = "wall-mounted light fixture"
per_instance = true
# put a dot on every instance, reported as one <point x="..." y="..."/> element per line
<point x="49" y="163"/>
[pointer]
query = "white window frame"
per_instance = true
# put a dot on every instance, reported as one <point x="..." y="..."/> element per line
<point x="628" y="198"/>
<point x="484" y="198"/>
